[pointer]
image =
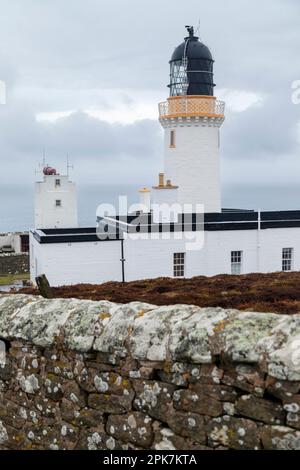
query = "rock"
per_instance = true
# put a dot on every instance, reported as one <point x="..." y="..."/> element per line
<point x="6" y="371"/>
<point x="233" y="433"/>
<point x="166" y="439"/>
<point x="260" y="409"/>
<point x="72" y="392"/>
<point x="197" y="402"/>
<point x="46" y="407"/>
<point x="96" y="439"/>
<point x="216" y="392"/>
<point x="245" y="377"/>
<point x="53" y="387"/>
<point x="29" y="383"/>
<point x="12" y="438"/>
<point x="190" y="425"/>
<point x="107" y="403"/>
<point x="10" y="414"/>
<point x="291" y="404"/>
<point x="280" y="438"/>
<point x="205" y="374"/>
<point x="89" y="418"/>
<point x="46" y="436"/>
<point x="98" y="375"/>
<point x="69" y="411"/>
<point x="281" y="389"/>
<point x="133" y="427"/>
<point x="153" y="398"/>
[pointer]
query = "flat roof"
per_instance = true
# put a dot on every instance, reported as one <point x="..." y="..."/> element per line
<point x="144" y="223"/>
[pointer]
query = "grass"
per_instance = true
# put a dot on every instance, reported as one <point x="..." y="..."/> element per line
<point x="276" y="292"/>
<point x="10" y="278"/>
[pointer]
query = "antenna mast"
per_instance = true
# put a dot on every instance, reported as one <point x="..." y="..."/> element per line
<point x="68" y="165"/>
<point x="41" y="165"/>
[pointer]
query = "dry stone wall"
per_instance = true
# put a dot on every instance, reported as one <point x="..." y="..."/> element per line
<point x="14" y="263"/>
<point x="98" y="375"/>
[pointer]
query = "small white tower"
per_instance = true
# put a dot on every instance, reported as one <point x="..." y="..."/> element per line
<point x="55" y="201"/>
<point x="191" y="118"/>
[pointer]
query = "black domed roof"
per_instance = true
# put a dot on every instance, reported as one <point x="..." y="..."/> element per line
<point x="191" y="68"/>
<point x="191" y="48"/>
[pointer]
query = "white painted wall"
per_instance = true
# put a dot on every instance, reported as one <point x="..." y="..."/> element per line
<point x="164" y="196"/>
<point x="47" y="214"/>
<point x="12" y="239"/>
<point x="194" y="164"/>
<point x="76" y="263"/>
<point x="100" y="262"/>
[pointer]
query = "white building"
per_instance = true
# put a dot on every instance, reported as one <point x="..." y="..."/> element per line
<point x="55" y="201"/>
<point x="192" y="235"/>
<point x="14" y="242"/>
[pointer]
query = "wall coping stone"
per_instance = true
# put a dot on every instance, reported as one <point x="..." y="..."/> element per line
<point x="174" y="333"/>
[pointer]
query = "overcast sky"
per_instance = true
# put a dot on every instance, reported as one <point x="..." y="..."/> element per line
<point x="84" y="77"/>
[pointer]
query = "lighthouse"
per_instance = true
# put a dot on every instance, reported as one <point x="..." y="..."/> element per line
<point x="55" y="201"/>
<point x="191" y="118"/>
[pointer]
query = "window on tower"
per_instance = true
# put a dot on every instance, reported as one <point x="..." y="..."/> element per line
<point x="58" y="203"/>
<point x="57" y="182"/>
<point x="172" y="139"/>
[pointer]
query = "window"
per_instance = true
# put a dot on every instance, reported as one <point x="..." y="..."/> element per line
<point x="178" y="264"/>
<point x="287" y="259"/>
<point x="57" y="182"/>
<point x="58" y="203"/>
<point x="172" y="139"/>
<point x="236" y="262"/>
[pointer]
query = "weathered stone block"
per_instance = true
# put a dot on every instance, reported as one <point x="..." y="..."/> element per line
<point x="11" y="438"/>
<point x="53" y="387"/>
<point x="217" y="392"/>
<point x="233" y="433"/>
<point x="89" y="418"/>
<point x="11" y="414"/>
<point x="245" y="377"/>
<point x="280" y="438"/>
<point x="175" y="373"/>
<point x="260" y="409"/>
<point x="133" y="427"/>
<point x="6" y="371"/>
<point x="205" y="374"/>
<point x="47" y="407"/>
<point x="188" y="400"/>
<point x="107" y="403"/>
<point x="61" y="368"/>
<point x="71" y="391"/>
<point x="62" y="436"/>
<point x="291" y="404"/>
<point x="29" y="383"/>
<point x="282" y="389"/>
<point x="154" y="398"/>
<point x="186" y="424"/>
<point x="166" y="439"/>
<point x="96" y="439"/>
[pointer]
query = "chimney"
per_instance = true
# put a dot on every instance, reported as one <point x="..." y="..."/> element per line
<point x="161" y="180"/>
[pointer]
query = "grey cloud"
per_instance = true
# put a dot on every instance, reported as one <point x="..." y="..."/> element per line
<point x="62" y="55"/>
<point x="96" y="147"/>
<point x="267" y="131"/>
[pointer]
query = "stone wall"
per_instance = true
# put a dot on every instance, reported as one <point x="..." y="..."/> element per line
<point x="97" y="375"/>
<point x="14" y="263"/>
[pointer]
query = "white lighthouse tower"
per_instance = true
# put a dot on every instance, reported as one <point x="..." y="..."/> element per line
<point x="191" y="118"/>
<point x="55" y="201"/>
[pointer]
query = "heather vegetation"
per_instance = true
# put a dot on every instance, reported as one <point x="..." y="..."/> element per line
<point x="276" y="292"/>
